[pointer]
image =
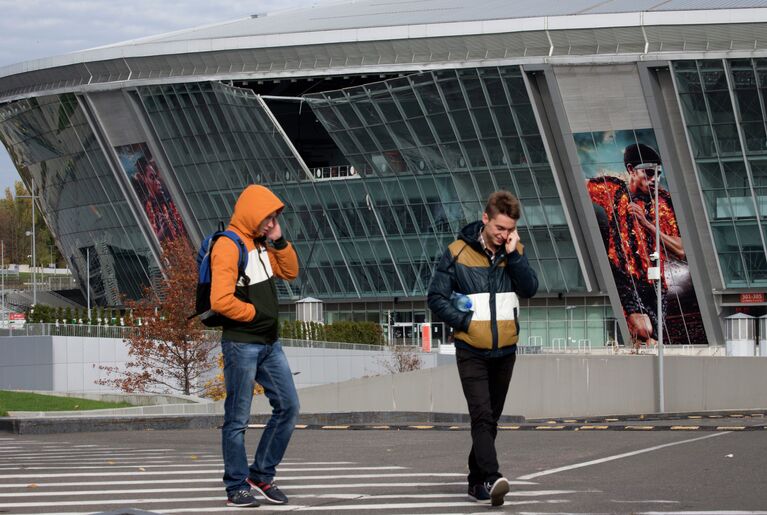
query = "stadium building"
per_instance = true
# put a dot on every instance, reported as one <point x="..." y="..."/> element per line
<point x="385" y="125"/>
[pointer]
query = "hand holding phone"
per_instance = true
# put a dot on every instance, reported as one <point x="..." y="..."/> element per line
<point x="274" y="232"/>
<point x="511" y="241"/>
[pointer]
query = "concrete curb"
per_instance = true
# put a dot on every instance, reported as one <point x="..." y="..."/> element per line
<point x="53" y="424"/>
<point x="394" y="420"/>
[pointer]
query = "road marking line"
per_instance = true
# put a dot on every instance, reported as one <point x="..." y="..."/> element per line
<point x="616" y="457"/>
<point x="335" y="427"/>
<point x="730" y="428"/>
<point x="293" y="467"/>
<point x="64" y="454"/>
<point x="684" y="428"/>
<point x="421" y="427"/>
<point x="205" y="471"/>
<point x="549" y="427"/>
<point x="219" y="488"/>
<point x="217" y="479"/>
<point x="594" y="427"/>
<point x="508" y="427"/>
<point x="726" y="512"/>
<point x="640" y="428"/>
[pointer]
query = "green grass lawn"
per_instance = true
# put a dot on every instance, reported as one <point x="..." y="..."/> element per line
<point x="22" y="401"/>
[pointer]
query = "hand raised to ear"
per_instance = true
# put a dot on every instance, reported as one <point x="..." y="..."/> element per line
<point x="512" y="241"/>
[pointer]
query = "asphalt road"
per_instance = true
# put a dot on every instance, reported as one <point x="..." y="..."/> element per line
<point x="387" y="471"/>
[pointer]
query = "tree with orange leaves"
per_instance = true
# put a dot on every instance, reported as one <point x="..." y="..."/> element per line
<point x="167" y="351"/>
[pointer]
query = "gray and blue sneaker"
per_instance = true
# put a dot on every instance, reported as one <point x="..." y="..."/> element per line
<point x="268" y="491"/>
<point x="242" y="499"/>
<point x="479" y="493"/>
<point x="497" y="490"/>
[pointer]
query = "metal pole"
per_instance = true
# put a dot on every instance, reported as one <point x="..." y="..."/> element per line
<point x="34" y="260"/>
<point x="2" y="269"/>
<point x="88" y="279"/>
<point x="661" y="394"/>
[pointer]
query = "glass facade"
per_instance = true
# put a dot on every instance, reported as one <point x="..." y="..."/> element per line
<point x="218" y="139"/>
<point x="724" y="107"/>
<point x="428" y="149"/>
<point x="54" y="148"/>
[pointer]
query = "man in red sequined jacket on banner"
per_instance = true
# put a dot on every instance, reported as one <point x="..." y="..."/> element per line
<point x="626" y="214"/>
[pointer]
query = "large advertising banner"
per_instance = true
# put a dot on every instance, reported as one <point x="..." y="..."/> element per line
<point x="144" y="175"/>
<point x="621" y="169"/>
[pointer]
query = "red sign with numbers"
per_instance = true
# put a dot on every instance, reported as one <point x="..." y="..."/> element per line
<point x="751" y="298"/>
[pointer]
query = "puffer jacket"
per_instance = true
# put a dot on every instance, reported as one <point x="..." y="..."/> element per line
<point x="493" y="286"/>
<point x="251" y="308"/>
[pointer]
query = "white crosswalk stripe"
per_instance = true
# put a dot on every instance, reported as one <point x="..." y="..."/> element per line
<point x="104" y="479"/>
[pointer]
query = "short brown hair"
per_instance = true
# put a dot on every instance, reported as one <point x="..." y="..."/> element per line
<point x="503" y="202"/>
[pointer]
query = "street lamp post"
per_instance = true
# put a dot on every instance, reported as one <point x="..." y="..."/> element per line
<point x="88" y="275"/>
<point x="2" y="270"/>
<point x="32" y="196"/>
<point x="659" y="294"/>
<point x="34" y="261"/>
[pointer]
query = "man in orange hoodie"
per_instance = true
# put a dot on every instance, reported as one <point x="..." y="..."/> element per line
<point x="252" y="352"/>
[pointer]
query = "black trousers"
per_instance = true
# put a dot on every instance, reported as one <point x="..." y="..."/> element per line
<point x="485" y="383"/>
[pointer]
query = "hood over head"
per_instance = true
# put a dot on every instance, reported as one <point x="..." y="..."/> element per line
<point x="470" y="233"/>
<point x="255" y="203"/>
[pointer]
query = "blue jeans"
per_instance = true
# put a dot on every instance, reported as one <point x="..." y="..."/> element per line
<point x="244" y="364"/>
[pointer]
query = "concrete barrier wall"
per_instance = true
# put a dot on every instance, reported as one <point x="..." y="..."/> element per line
<point x="542" y="385"/>
<point x="58" y="363"/>
<point x="26" y="364"/>
<point x="561" y="386"/>
<point x="71" y="364"/>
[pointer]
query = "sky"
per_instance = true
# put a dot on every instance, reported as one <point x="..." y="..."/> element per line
<point x="34" y="29"/>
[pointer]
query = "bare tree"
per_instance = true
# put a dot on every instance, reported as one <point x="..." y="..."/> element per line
<point x="404" y="358"/>
<point x="167" y="351"/>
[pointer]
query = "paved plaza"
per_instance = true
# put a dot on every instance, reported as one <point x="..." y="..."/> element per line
<point x="710" y="469"/>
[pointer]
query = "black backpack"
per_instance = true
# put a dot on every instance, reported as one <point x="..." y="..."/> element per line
<point x="208" y="317"/>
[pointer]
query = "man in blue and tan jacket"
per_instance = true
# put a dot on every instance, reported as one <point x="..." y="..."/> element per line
<point x="487" y="264"/>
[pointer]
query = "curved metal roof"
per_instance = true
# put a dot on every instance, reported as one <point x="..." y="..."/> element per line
<point x="368" y="35"/>
<point x="363" y="20"/>
<point x="386" y="13"/>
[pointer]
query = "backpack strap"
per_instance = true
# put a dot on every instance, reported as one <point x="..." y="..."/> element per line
<point x="242" y="262"/>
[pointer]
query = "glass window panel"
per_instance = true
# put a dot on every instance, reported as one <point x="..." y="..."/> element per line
<point x="381" y="135"/>
<point x="756" y="140"/>
<point x="422" y="131"/>
<point x="442" y="127"/>
<point x="735" y="174"/>
<point x="694" y="107"/>
<point x="720" y="107"/>
<point x="387" y="106"/>
<point x="484" y="123"/>
<point x="516" y="88"/>
<point x="368" y="112"/>
<point x="714" y="80"/>
<point x="474" y="91"/>
<point x="710" y="176"/>
<point x="536" y="150"/>
<point x="749" y="106"/>
<point x="430" y="98"/>
<point x="515" y="152"/>
<point x="505" y="122"/>
<point x="408" y="103"/>
<point x="526" y="118"/>
<point x="702" y="140"/>
<point x="464" y="124"/>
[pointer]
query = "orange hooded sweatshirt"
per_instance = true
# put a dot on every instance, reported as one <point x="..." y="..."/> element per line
<point x="252" y="308"/>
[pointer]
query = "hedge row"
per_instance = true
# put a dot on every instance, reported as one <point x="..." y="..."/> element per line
<point x="49" y="315"/>
<point x="368" y="333"/>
